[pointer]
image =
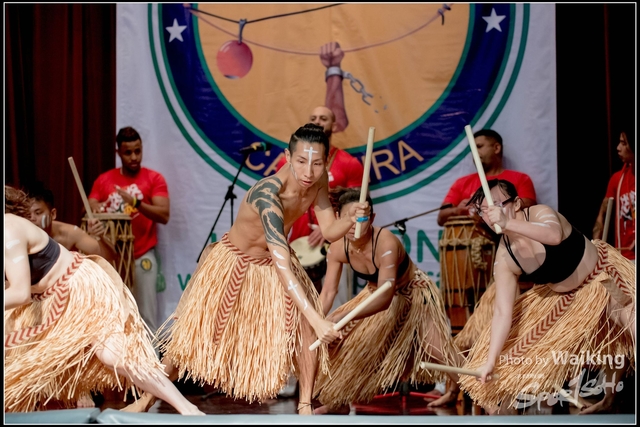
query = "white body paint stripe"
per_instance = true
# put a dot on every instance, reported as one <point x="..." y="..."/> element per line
<point x="12" y="243"/>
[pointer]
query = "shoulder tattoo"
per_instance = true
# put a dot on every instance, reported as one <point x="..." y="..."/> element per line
<point x="264" y="197"/>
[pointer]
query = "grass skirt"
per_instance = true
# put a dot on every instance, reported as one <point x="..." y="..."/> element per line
<point x="235" y="327"/>
<point x="544" y="364"/>
<point x="60" y="363"/>
<point x="384" y="349"/>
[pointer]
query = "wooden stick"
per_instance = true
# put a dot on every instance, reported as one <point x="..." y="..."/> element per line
<point x="483" y="178"/>
<point x="453" y="369"/>
<point x="463" y="371"/>
<point x="87" y="207"/>
<point x="607" y="219"/>
<point x="365" y="177"/>
<point x="353" y="313"/>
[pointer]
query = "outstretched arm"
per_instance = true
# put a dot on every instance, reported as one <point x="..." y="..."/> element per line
<point x="264" y="198"/>
<point x="94" y="241"/>
<point x="332" y="228"/>
<point x="331" y="277"/>
<point x="331" y="56"/>
<point x="506" y="284"/>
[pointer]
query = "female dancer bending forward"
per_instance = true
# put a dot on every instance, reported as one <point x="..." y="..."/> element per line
<point x="402" y="327"/>
<point x="72" y="326"/>
<point x="583" y="310"/>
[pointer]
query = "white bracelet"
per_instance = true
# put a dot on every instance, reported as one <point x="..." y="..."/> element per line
<point x="333" y="71"/>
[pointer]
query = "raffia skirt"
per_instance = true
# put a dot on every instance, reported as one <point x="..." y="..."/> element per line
<point x="379" y="351"/>
<point x="554" y="335"/>
<point x="235" y="327"/>
<point x="50" y="344"/>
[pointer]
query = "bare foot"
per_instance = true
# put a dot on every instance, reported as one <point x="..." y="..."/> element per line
<point x="192" y="410"/>
<point x="85" y="401"/>
<point x="325" y="409"/>
<point x="603" y="406"/>
<point x="450" y="397"/>
<point x="143" y="404"/>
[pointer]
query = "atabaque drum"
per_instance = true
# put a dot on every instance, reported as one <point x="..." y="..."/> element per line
<point x="467" y="252"/>
<point x="118" y="229"/>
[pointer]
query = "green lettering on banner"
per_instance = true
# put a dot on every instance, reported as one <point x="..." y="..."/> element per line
<point x="422" y="238"/>
<point x="186" y="282"/>
<point x="214" y="238"/>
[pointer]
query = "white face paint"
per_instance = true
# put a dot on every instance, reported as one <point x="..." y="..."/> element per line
<point x="277" y="254"/>
<point x="385" y="254"/>
<point x="11" y="244"/>
<point x="18" y="259"/>
<point x="293" y="171"/>
<point x="280" y="267"/>
<point x="311" y="152"/>
<point x="295" y="291"/>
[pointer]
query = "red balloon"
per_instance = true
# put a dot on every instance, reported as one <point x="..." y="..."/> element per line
<point x="234" y="59"/>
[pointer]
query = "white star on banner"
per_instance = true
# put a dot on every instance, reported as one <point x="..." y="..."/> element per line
<point x="176" y="31"/>
<point x="493" y="21"/>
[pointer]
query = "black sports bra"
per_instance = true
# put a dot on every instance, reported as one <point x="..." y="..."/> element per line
<point x="373" y="277"/>
<point x="560" y="260"/>
<point x="41" y="262"/>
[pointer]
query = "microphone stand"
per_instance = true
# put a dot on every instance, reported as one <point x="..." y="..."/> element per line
<point x="229" y="196"/>
<point x="401" y="226"/>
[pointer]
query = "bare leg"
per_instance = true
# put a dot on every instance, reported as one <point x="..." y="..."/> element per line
<point x="86" y="401"/>
<point x="435" y="344"/>
<point x="611" y="375"/>
<point x="147" y="400"/>
<point x="308" y="363"/>
<point x="159" y="386"/>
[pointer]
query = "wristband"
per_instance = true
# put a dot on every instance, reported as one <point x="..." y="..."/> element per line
<point x="136" y="202"/>
<point x="362" y="219"/>
<point x="333" y="71"/>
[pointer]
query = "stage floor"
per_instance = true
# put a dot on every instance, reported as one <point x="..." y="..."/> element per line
<point x="410" y="401"/>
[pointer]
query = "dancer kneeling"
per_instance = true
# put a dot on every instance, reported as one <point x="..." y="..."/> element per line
<point x="586" y="304"/>
<point x="384" y="344"/>
<point x="73" y="327"/>
<point x="250" y="312"/>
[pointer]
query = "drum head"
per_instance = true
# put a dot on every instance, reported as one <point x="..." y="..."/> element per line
<point x="307" y="255"/>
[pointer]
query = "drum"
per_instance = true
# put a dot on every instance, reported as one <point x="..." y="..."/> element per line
<point x="314" y="260"/>
<point x="120" y="232"/>
<point x="467" y="252"/>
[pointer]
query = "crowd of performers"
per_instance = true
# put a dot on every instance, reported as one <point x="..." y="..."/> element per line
<point x="250" y="313"/>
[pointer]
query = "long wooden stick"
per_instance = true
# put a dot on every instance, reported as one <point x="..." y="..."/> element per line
<point x="87" y="207"/>
<point x="463" y="371"/>
<point x="365" y="177"/>
<point x="353" y="313"/>
<point x="483" y="178"/>
<point x="607" y="219"/>
<point x="453" y="369"/>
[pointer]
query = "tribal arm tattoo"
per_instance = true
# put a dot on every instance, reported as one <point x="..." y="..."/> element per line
<point x="264" y="197"/>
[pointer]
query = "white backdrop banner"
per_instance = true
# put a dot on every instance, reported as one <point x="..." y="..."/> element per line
<point x="200" y="81"/>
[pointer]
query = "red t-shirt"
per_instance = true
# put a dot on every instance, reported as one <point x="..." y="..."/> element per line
<point x="345" y="171"/>
<point x="144" y="186"/>
<point x="463" y="188"/>
<point x="625" y="213"/>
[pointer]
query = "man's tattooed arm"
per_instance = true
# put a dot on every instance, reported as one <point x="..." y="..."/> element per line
<point x="264" y="197"/>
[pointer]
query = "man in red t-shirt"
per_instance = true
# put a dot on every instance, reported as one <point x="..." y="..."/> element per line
<point x="622" y="187"/>
<point x="489" y="144"/>
<point x="344" y="171"/>
<point x="143" y="194"/>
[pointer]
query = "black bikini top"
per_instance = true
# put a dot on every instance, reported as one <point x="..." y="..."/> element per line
<point x="560" y="261"/>
<point x="41" y="262"/>
<point x="373" y="277"/>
